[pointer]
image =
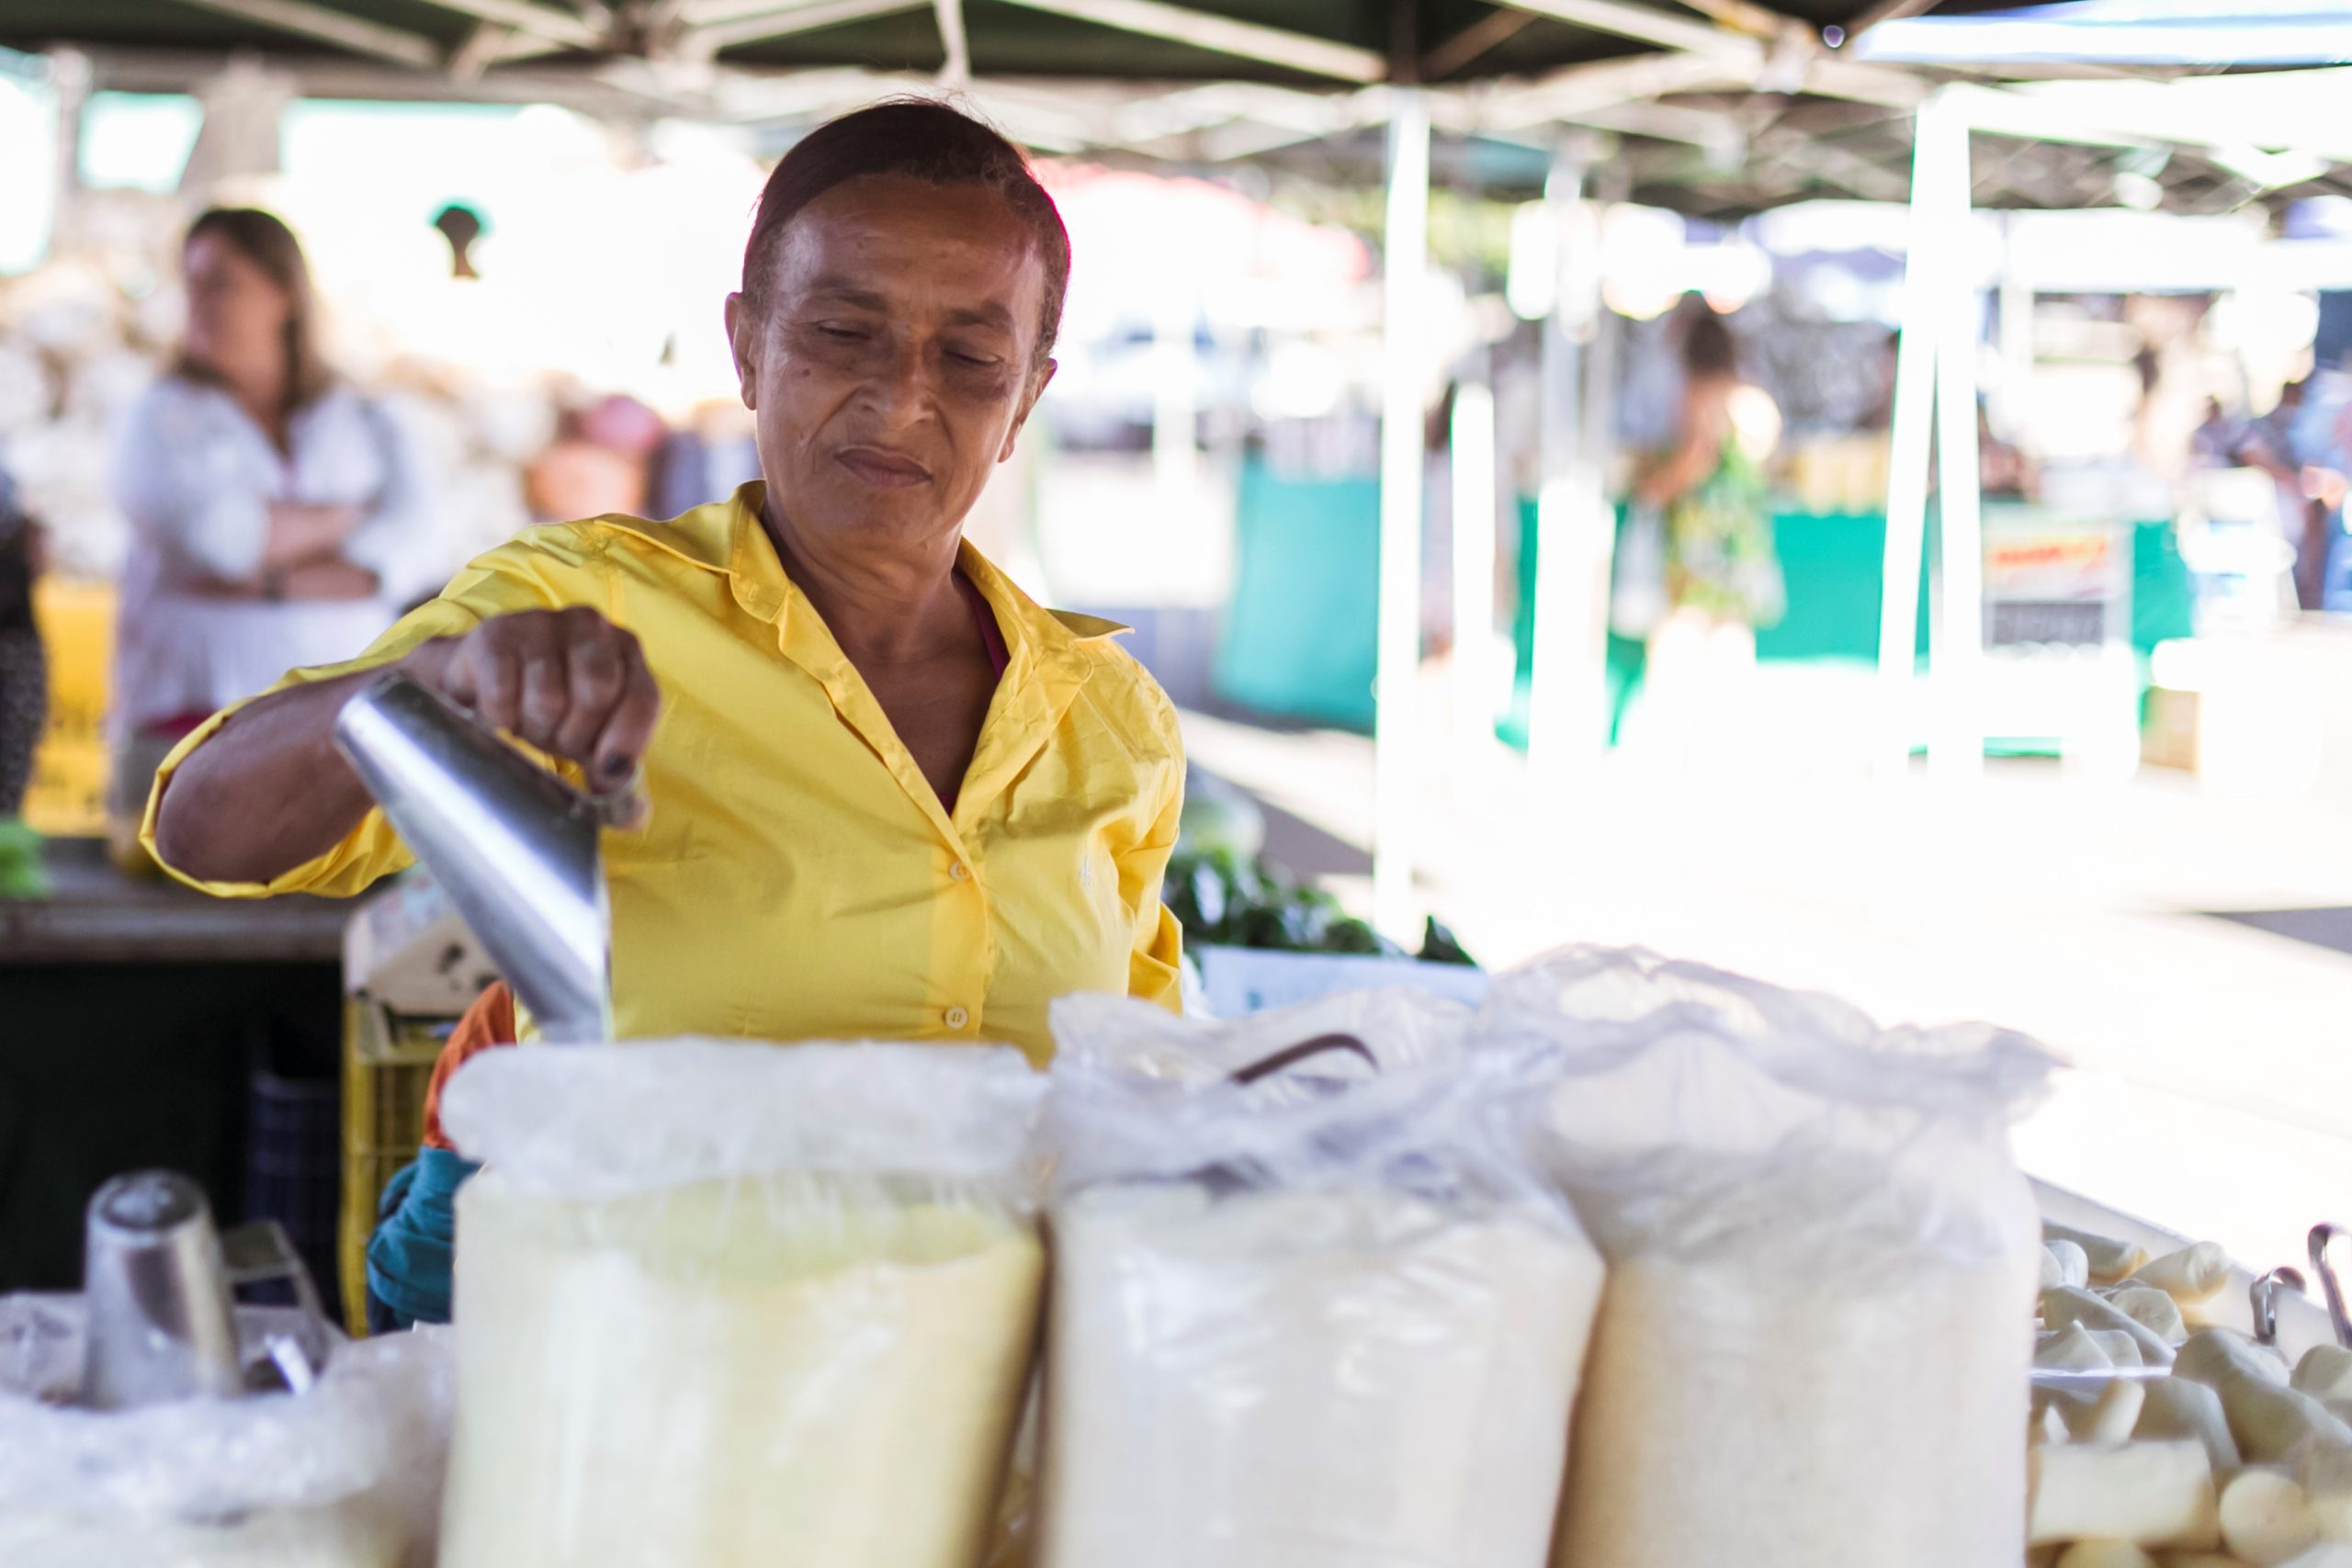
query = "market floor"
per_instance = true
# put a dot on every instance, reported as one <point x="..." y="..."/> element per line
<point x="2212" y="1082"/>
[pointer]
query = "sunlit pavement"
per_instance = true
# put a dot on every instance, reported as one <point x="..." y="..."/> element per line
<point x="2211" y="1087"/>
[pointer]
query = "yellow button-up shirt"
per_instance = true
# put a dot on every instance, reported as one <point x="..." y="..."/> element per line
<point x="798" y="878"/>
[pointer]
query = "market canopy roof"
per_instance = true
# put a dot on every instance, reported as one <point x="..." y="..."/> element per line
<point x="1299" y="43"/>
<point x="1716" y="108"/>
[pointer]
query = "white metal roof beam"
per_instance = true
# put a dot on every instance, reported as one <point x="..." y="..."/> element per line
<point x="1835" y="78"/>
<point x="1744" y="16"/>
<point x="1245" y="41"/>
<point x="1486" y="33"/>
<point x="539" y="21"/>
<point x="1718" y="135"/>
<point x="1184" y="112"/>
<point x="1806" y="66"/>
<point x="332" y="27"/>
<point x="957" y="71"/>
<point x="483" y="47"/>
<point x="1646" y="26"/>
<point x="785" y="22"/>
<point x="1580" y="89"/>
<point x="1886" y="11"/>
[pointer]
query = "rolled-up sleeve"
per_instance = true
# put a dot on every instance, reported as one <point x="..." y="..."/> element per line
<point x="177" y="485"/>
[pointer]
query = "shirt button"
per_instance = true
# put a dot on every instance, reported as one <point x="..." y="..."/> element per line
<point x="957" y="1018"/>
<point x="958" y="873"/>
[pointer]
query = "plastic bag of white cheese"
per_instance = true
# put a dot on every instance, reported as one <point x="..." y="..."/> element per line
<point x="723" y="1305"/>
<point x="345" y="1474"/>
<point x="1814" y="1348"/>
<point x="1331" y="1318"/>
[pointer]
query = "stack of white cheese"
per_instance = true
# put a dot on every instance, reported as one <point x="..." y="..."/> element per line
<point x="2181" y="1443"/>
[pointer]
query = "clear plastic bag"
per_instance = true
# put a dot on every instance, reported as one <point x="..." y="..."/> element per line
<point x="1814" y="1348"/>
<point x="1329" y="1318"/>
<point x="346" y="1474"/>
<point x="719" y="1304"/>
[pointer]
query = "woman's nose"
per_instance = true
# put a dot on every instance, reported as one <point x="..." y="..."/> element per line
<point x="901" y="386"/>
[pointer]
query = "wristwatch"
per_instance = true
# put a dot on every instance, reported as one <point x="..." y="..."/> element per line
<point x="273" y="584"/>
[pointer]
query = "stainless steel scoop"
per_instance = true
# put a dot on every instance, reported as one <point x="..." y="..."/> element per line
<point x="514" y="847"/>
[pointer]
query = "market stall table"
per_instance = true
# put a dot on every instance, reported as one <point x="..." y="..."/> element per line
<point x="139" y="1014"/>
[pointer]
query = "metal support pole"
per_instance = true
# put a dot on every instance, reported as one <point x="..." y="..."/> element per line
<point x="70" y="75"/>
<point x="1910" y="453"/>
<point x="1404" y="363"/>
<point x="1956" y="744"/>
<point x="1567" y="695"/>
<point x="1473" y="469"/>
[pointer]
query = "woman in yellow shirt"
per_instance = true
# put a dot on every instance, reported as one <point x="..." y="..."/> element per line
<point x="891" y="797"/>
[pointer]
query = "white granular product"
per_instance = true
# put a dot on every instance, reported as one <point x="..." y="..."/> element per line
<point x="1343" y="1378"/>
<point x="1775" y="1420"/>
<point x="781" y="1371"/>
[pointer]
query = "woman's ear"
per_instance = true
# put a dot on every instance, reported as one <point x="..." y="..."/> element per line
<point x="743" y="342"/>
<point x="1036" y="390"/>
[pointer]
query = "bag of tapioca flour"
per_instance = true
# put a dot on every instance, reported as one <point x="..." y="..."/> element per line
<point x="1814" y="1348"/>
<point x="724" y="1305"/>
<point x="1313" y="1305"/>
<point x="344" y="1475"/>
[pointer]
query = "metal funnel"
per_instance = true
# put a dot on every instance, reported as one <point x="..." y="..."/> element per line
<point x="514" y="847"/>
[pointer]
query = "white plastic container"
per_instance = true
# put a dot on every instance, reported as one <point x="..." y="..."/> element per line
<point x="720" y="1304"/>
<point x="1329" y="1319"/>
<point x="1814" y="1348"/>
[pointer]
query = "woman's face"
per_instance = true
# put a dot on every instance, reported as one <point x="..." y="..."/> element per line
<point x="895" y="360"/>
<point x="236" y="314"/>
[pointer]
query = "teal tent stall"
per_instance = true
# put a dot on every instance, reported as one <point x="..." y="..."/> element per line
<point x="1297" y="641"/>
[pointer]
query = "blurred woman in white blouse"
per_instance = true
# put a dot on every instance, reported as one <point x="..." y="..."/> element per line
<point x="278" y="519"/>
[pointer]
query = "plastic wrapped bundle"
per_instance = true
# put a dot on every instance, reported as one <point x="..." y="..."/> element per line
<point x="1328" y="1318"/>
<point x="1814" y="1348"/>
<point x="721" y="1304"/>
<point x="345" y="1474"/>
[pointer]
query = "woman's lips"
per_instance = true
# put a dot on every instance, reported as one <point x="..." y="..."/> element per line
<point x="886" y="470"/>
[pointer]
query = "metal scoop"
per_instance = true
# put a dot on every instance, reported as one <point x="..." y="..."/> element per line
<point x="514" y="847"/>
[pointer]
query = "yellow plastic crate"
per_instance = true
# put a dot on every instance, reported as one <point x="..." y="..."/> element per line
<point x="68" y="796"/>
<point x="387" y="1065"/>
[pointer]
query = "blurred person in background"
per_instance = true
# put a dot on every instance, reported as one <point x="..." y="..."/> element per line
<point x="279" y="517"/>
<point x="601" y="461"/>
<point x="2214" y="443"/>
<point x="2274" y="444"/>
<point x="24" y="695"/>
<point x="1722" y="577"/>
<point x="461" y="226"/>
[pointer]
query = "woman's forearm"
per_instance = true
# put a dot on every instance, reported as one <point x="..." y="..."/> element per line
<point x="1678" y="474"/>
<point x="299" y="535"/>
<point x="267" y="792"/>
<point x="336" y="579"/>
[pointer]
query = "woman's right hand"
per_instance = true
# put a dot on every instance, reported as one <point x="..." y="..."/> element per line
<point x="568" y="682"/>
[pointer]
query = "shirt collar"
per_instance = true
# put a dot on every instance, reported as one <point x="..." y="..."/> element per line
<point x="727" y="536"/>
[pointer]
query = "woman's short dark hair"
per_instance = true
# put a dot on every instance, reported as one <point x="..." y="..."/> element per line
<point x="264" y="240"/>
<point x="924" y="140"/>
<point x="1708" y="347"/>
